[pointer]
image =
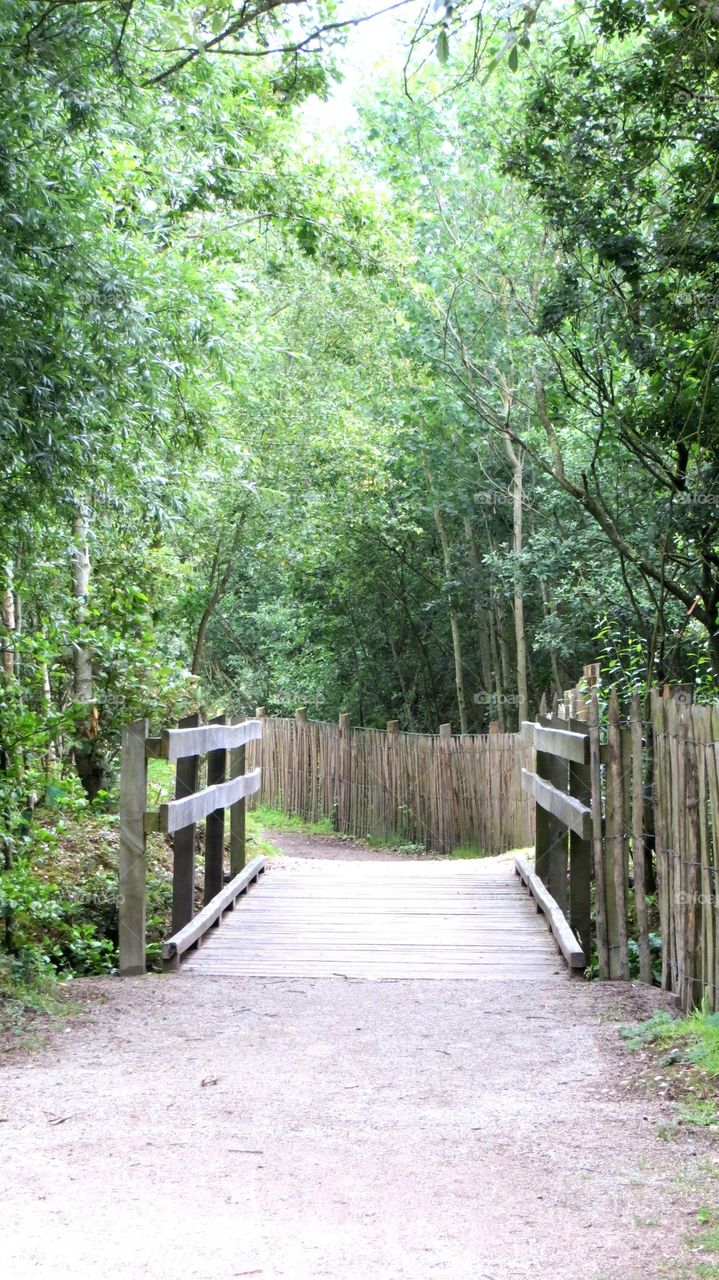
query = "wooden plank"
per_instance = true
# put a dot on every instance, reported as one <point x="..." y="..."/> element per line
<point x="132" y="856"/>
<point x="218" y="736"/>
<point x="564" y="743"/>
<point x="183" y="851"/>
<point x="215" y="826"/>
<point x="566" y="941"/>
<point x="187" y="937"/>
<point x="180" y="813"/>
<point x="570" y="812"/>
<point x="356" y="918"/>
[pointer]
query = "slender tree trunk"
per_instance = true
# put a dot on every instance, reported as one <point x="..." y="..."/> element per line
<point x="556" y="674"/>
<point x="498" y="684"/>
<point x="8" y="619"/>
<point x="453" y="616"/>
<point x="221" y="582"/>
<point x="82" y="661"/>
<point x="503" y="648"/>
<point x="88" y="760"/>
<point x="485" y="648"/>
<point x="516" y="458"/>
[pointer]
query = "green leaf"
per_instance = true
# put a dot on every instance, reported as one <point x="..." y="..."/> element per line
<point x="513" y="59"/>
<point x="442" y="47"/>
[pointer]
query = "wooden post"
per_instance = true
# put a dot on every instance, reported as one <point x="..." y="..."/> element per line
<point x="238" y="843"/>
<point x="615" y="845"/>
<point x="552" y="837"/>
<point x="595" y="774"/>
<point x="344" y="794"/>
<point x="662" y="833"/>
<point x="580" y="852"/>
<point x="592" y="673"/>
<point x="183" y="842"/>
<point x="542" y="838"/>
<point x="301" y="715"/>
<point x="392" y="823"/>
<point x="692" y="964"/>
<point x="444" y="784"/>
<point x="638" y="852"/>
<point x="132" y="859"/>
<point x="215" y="824"/>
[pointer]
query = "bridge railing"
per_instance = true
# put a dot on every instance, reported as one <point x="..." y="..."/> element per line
<point x="227" y="786"/>
<point x="627" y="822"/>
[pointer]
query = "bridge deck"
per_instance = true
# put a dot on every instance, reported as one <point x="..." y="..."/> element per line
<point x="383" y="920"/>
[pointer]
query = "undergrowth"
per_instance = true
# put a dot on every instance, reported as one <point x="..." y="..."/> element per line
<point x="693" y="1040"/>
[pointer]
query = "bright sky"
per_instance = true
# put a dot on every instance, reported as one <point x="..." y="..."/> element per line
<point x="378" y="44"/>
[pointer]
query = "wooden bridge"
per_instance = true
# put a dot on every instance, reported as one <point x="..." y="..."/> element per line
<point x="364" y="919"/>
<point x="384" y="920"/>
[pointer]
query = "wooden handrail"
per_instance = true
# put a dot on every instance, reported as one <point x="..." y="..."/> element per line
<point x="178" y="743"/>
<point x="177" y="814"/>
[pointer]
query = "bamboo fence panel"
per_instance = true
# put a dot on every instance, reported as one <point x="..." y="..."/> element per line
<point x="686" y="809"/>
<point x="442" y="792"/>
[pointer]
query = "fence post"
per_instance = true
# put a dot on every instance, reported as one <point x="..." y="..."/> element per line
<point x="302" y="781"/>
<point x="344" y="794"/>
<point x="238" y="844"/>
<point x="638" y="851"/>
<point x="443" y="788"/>
<point x="390" y="817"/>
<point x="552" y="839"/>
<point x="132" y="858"/>
<point x="580" y="851"/>
<point x="595" y="773"/>
<point x="183" y="843"/>
<point x="215" y="823"/>
<point x="615" y="847"/>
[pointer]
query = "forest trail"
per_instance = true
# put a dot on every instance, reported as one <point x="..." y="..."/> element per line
<point x="303" y="1128"/>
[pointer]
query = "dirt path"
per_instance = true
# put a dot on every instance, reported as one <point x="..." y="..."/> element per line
<point x="293" y="1129"/>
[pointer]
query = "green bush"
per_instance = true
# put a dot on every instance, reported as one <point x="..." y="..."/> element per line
<point x="48" y="930"/>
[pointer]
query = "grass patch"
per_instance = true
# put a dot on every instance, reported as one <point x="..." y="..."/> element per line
<point x="26" y="995"/>
<point x="466" y="852"/>
<point x="276" y="820"/>
<point x="685" y="1053"/>
<point x="693" y="1040"/>
<point x="704" y="1244"/>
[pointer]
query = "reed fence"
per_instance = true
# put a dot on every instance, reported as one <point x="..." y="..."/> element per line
<point x="442" y="792"/>
<point x="649" y="803"/>
<point x="686" y="809"/>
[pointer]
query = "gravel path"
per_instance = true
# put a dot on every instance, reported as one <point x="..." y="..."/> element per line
<point x="293" y="1129"/>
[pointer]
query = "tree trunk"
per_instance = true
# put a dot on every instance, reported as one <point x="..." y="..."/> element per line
<point x="559" y="683"/>
<point x="516" y="457"/>
<point x="485" y="648"/>
<point x="83" y="686"/>
<point x="90" y="766"/>
<point x="453" y="616"/>
<point x="221" y="582"/>
<point x="8" y="618"/>
<point x="499" y="685"/>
